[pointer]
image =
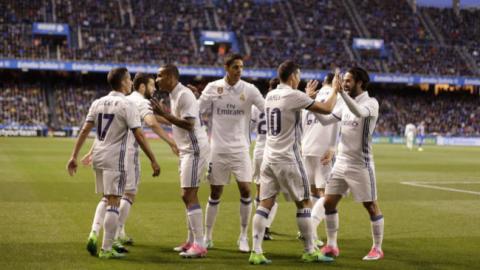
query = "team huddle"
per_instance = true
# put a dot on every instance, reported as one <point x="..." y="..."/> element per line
<point x="313" y="147"/>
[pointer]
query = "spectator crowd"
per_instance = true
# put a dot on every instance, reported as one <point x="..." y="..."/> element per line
<point x="316" y="33"/>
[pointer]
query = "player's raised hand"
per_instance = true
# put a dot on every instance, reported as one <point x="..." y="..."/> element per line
<point x="156" y="169"/>
<point x="311" y="88"/>
<point x="157" y="106"/>
<point x="72" y="166"/>
<point x="337" y="81"/>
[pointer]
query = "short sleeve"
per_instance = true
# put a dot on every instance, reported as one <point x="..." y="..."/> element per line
<point x="301" y="100"/>
<point x="372" y="106"/>
<point x="188" y="106"/>
<point x="144" y="109"/>
<point x="91" y="112"/>
<point x="132" y="116"/>
<point x="205" y="101"/>
<point x="257" y="99"/>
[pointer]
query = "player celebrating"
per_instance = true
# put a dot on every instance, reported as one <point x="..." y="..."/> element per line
<point x="282" y="168"/>
<point x="192" y="141"/>
<point x="410" y="135"/>
<point x="318" y="154"/>
<point x="260" y="125"/>
<point x="144" y="86"/>
<point x="229" y="102"/>
<point x="113" y="116"/>
<point x="354" y="167"/>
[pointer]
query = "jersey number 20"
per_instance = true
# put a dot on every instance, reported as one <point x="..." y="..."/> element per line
<point x="102" y="126"/>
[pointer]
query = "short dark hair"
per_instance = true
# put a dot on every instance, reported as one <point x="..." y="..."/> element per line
<point x="172" y="70"/>
<point x="360" y="75"/>
<point x="229" y="59"/>
<point x="273" y="83"/>
<point x="141" y="78"/>
<point x="329" y="78"/>
<point x="286" y="69"/>
<point x="115" y="77"/>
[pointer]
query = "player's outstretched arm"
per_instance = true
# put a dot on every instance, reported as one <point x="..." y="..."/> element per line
<point x="357" y="110"/>
<point x="72" y="163"/>
<point x="140" y="137"/>
<point x="159" y="109"/>
<point x="325" y="107"/>
<point x="162" y="120"/>
<point x="153" y="124"/>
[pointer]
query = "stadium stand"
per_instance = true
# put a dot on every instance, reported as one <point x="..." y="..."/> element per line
<point x="23" y="105"/>
<point x="317" y="34"/>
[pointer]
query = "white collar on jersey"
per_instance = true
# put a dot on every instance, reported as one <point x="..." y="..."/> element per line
<point x="230" y="87"/>
<point x="362" y="96"/>
<point x="116" y="93"/>
<point x="284" y="86"/>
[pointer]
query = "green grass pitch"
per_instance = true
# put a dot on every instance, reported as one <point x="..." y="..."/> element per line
<point x="45" y="215"/>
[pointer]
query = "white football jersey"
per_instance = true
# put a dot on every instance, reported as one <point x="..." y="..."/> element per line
<point x="410" y="128"/>
<point x="283" y="107"/>
<point x="144" y="109"/>
<point x="184" y="105"/>
<point x="113" y="117"/>
<point x="355" y="145"/>
<point x="318" y="138"/>
<point x="259" y="122"/>
<point x="230" y="108"/>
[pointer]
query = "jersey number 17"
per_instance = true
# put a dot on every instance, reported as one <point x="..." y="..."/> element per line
<point x="103" y="126"/>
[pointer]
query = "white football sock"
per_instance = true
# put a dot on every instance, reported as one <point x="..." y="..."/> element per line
<point x="99" y="215"/>
<point x="195" y="219"/>
<point x="271" y="216"/>
<point x="377" y="231"/>
<point x="210" y="216"/>
<point x="124" y="210"/>
<point x="331" y="225"/>
<point x="260" y="220"/>
<point x="318" y="214"/>
<point x="245" y="212"/>
<point x="109" y="227"/>
<point x="304" y="223"/>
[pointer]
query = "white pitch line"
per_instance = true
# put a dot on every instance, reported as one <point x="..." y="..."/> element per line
<point x="421" y="184"/>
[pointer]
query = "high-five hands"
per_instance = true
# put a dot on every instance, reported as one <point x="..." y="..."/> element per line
<point x="337" y="81"/>
<point x="311" y="88"/>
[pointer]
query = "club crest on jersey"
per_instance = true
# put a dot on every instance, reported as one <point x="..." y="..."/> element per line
<point x="220" y="90"/>
<point x="242" y="97"/>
